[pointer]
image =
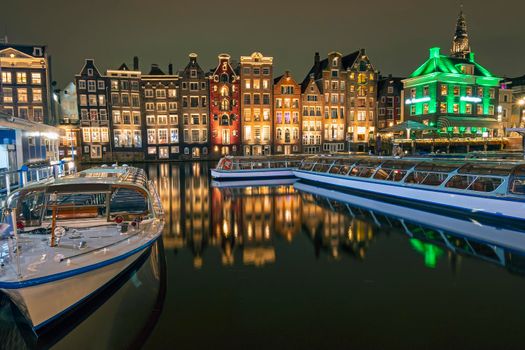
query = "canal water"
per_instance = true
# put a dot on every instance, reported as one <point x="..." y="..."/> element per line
<point x="288" y="266"/>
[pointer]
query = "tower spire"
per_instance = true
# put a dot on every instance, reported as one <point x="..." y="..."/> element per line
<point x="460" y="44"/>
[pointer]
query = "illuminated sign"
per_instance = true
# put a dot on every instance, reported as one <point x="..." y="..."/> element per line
<point x="470" y="99"/>
<point x="417" y="100"/>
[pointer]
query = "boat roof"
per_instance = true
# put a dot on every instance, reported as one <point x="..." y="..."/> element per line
<point x="100" y="177"/>
<point x="470" y="166"/>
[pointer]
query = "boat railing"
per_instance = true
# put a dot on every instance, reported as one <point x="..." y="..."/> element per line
<point x="232" y="163"/>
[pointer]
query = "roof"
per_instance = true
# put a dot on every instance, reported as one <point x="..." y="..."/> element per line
<point x="438" y="63"/>
<point x="27" y="49"/>
<point x="123" y="66"/>
<point x="397" y="82"/>
<point x="318" y="68"/>
<point x="155" y="70"/>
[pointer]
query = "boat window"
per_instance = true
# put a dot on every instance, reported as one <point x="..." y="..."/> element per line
<point x="30" y="207"/>
<point x="487" y="169"/>
<point x="260" y="165"/>
<point x="437" y="167"/>
<point x="461" y="182"/>
<point x="77" y="205"/>
<point x="365" y="168"/>
<point x="307" y="165"/>
<point x="322" y="165"/>
<point x="127" y="200"/>
<point x="518" y="185"/>
<point x="425" y="178"/>
<point x="244" y="165"/>
<point x="485" y="184"/>
<point x="277" y="164"/>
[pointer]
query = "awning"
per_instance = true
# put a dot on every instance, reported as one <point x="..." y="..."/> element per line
<point x="476" y="122"/>
<point x="408" y="124"/>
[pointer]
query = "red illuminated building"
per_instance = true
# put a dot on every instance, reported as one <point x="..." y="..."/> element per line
<point x="225" y="124"/>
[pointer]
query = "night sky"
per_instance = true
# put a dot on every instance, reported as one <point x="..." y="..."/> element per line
<point x="396" y="34"/>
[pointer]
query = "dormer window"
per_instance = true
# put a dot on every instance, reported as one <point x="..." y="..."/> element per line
<point x="334" y="62"/>
<point x="466" y="69"/>
<point x="90" y="72"/>
<point x="193" y="73"/>
<point x="37" y="51"/>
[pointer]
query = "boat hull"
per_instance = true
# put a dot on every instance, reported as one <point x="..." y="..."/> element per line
<point x="254" y="174"/>
<point x="474" y="204"/>
<point x="42" y="303"/>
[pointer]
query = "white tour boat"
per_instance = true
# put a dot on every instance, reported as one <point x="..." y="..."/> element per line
<point x="64" y="240"/>
<point x="255" y="168"/>
<point x="478" y="187"/>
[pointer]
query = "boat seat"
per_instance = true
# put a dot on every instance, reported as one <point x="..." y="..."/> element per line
<point x="77" y="213"/>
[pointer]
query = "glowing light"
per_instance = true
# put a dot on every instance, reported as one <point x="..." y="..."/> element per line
<point x="410" y="101"/>
<point x="470" y="99"/>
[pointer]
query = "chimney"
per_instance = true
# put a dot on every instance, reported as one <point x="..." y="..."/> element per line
<point x="135" y="63"/>
<point x="316" y="59"/>
<point x="170" y="69"/>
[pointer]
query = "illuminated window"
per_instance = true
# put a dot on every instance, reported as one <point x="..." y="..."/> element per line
<point x="444" y="90"/>
<point x="92" y="100"/>
<point x="468" y="90"/>
<point x="160" y="93"/>
<point x="456" y="90"/>
<point x="21" y="78"/>
<point x="172" y="93"/>
<point x="425" y="90"/>
<point x="425" y="108"/>
<point x="162" y="120"/>
<point x="101" y="100"/>
<point x="152" y="136"/>
<point x="22" y="95"/>
<point x="114" y="85"/>
<point x="247" y="83"/>
<point x="361" y="78"/>
<point x="456" y="108"/>
<point x="492" y="93"/>
<point x="480" y="92"/>
<point x="491" y="110"/>
<point x="8" y="95"/>
<point x="413" y="93"/>
<point x="443" y="107"/>
<point x="36" y="78"/>
<point x="479" y="109"/>
<point x="468" y="108"/>
<point x="38" y="114"/>
<point x="6" y="77"/>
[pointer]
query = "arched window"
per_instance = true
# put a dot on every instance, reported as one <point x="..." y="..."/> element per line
<point x="295" y="133"/>
<point x="224" y="91"/>
<point x="279" y="133"/>
<point x="287" y="135"/>
<point x="225" y="104"/>
<point x="361" y="78"/>
<point x="224" y="78"/>
<point x="225" y="120"/>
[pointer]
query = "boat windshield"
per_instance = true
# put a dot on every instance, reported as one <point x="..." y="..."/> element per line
<point x="35" y="207"/>
<point x="394" y="170"/>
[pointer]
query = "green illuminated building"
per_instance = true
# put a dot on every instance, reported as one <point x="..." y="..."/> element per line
<point x="453" y="93"/>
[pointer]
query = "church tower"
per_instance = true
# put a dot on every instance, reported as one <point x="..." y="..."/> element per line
<point x="460" y="44"/>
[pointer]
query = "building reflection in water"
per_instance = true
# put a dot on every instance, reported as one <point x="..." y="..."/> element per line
<point x="244" y="224"/>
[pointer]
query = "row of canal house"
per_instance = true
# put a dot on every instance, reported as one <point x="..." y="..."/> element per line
<point x="232" y="109"/>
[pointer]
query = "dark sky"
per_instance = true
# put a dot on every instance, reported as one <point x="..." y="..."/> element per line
<point x="395" y="33"/>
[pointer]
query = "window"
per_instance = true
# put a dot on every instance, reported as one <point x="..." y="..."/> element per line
<point x="8" y="95"/>
<point x="160" y="93"/>
<point x="93" y="115"/>
<point x="204" y="101"/>
<point x="265" y="84"/>
<point x="266" y="99"/>
<point x="92" y="100"/>
<point x="456" y="90"/>
<point x="266" y="71"/>
<point x="148" y="93"/>
<point x="91" y="86"/>
<point x="101" y="85"/>
<point x="21" y="78"/>
<point x="136" y="118"/>
<point x="38" y="114"/>
<point x="114" y="85"/>
<point x="150" y="120"/>
<point x="163" y="136"/>
<point x="22" y="95"/>
<point x="84" y="115"/>
<point x="172" y="93"/>
<point x="361" y="116"/>
<point x="22" y="112"/>
<point x="480" y="92"/>
<point x="491" y="110"/>
<point x="443" y="107"/>
<point x="162" y="120"/>
<point x="425" y="108"/>
<point x="36" y="78"/>
<point x="335" y="73"/>
<point x="492" y="93"/>
<point x="116" y="117"/>
<point x="150" y="106"/>
<point x="86" y="135"/>
<point x="468" y="108"/>
<point x="390" y="90"/>
<point x="479" y="109"/>
<point x="125" y="99"/>
<point x="103" y="114"/>
<point x="194" y="86"/>
<point x="6" y="78"/>
<point x="172" y="106"/>
<point x="194" y="101"/>
<point x="135" y="101"/>
<point x="115" y="99"/>
<point x="468" y="90"/>
<point x="124" y="84"/>
<point x="152" y="136"/>
<point x="425" y="90"/>
<point x="101" y="100"/>
<point x="455" y="108"/>
<point x="174" y="135"/>
<point x="174" y="119"/>
<point x="126" y="117"/>
<point x="256" y="71"/>
<point x="193" y="73"/>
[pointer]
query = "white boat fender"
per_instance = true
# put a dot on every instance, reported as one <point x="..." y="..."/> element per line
<point x="58" y="258"/>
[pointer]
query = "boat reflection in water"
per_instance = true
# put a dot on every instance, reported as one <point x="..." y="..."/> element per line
<point x="122" y="316"/>
<point x="247" y="219"/>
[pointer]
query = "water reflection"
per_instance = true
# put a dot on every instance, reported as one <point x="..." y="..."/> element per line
<point x="244" y="223"/>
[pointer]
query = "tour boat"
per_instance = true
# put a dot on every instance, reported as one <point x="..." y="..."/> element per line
<point x="253" y="168"/>
<point x="66" y="239"/>
<point x="484" y="188"/>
